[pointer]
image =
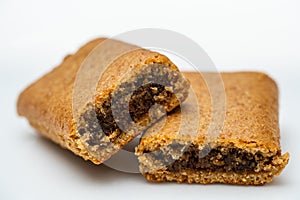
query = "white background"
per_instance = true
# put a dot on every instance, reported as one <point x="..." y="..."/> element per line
<point x="237" y="35"/>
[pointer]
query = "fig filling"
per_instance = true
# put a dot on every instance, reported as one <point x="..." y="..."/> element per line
<point x="219" y="159"/>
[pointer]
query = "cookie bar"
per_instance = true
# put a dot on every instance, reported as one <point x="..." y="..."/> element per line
<point x="95" y="114"/>
<point x="246" y="150"/>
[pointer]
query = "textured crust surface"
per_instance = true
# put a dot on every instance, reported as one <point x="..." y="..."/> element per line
<point x="47" y="103"/>
<point x="251" y="124"/>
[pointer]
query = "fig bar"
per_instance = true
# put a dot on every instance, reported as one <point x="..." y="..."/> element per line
<point x="246" y="150"/>
<point x="94" y="114"/>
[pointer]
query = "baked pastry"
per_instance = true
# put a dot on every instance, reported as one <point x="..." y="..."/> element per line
<point x="94" y="114"/>
<point x="246" y="150"/>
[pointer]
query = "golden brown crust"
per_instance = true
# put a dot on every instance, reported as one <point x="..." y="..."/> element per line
<point x="47" y="103"/>
<point x="251" y="112"/>
<point x="250" y="123"/>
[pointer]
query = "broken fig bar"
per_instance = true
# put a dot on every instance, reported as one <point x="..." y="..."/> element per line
<point x="95" y="114"/>
<point x="246" y="150"/>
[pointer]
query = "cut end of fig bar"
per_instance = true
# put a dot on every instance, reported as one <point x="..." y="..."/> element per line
<point x="111" y="123"/>
<point x="246" y="151"/>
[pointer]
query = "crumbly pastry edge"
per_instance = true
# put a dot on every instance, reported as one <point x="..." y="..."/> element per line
<point x="203" y="177"/>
